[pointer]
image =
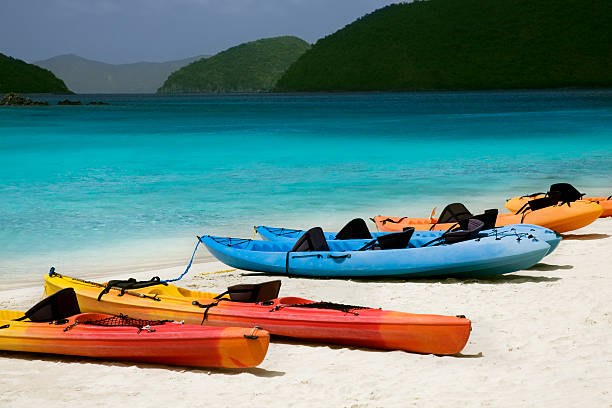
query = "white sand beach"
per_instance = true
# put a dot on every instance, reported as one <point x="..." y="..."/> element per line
<point x="541" y="338"/>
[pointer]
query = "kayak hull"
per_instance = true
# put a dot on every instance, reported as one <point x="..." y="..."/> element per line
<point x="169" y="343"/>
<point x="544" y="234"/>
<point x="516" y="203"/>
<point x="559" y="218"/>
<point x="606" y="204"/>
<point x="474" y="258"/>
<point x="372" y="328"/>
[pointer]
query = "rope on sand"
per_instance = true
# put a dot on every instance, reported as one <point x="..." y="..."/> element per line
<point x="222" y="271"/>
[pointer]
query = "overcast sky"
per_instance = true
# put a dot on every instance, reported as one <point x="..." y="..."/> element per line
<point x="121" y="31"/>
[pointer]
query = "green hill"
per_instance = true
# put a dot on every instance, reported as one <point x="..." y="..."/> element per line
<point x="248" y="67"/>
<point x="19" y="76"/>
<point x="463" y="44"/>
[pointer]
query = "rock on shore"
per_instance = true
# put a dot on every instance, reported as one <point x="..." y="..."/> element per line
<point x="13" y="99"/>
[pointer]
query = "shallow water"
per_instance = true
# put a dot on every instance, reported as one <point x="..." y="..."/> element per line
<point x="105" y="188"/>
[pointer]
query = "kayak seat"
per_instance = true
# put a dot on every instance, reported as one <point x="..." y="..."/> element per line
<point x="312" y="240"/>
<point x="473" y="227"/>
<point x="60" y="305"/>
<point x="397" y="240"/>
<point x="489" y="218"/>
<point x="453" y="213"/>
<point x="128" y="284"/>
<point x="568" y="193"/>
<point x="354" y="229"/>
<point x="251" y="293"/>
<point x="539" y="203"/>
<point x="551" y="199"/>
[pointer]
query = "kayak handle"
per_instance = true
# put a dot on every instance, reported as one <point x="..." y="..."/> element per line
<point x="338" y="256"/>
<point x="252" y="335"/>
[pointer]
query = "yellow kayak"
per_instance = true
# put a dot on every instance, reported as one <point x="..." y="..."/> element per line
<point x="286" y="316"/>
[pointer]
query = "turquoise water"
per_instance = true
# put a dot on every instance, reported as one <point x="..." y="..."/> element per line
<point x="101" y="188"/>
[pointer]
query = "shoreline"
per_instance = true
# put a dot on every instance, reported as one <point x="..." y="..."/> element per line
<point x="539" y="338"/>
<point x="125" y="256"/>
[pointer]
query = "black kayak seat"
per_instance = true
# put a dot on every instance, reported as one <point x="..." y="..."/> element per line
<point x="253" y="292"/>
<point x="567" y="192"/>
<point x="473" y="227"/>
<point x="551" y="199"/>
<point x="58" y="306"/>
<point x="354" y="229"/>
<point x="539" y="203"/>
<point x="131" y="283"/>
<point x="454" y="212"/>
<point x="395" y="240"/>
<point x="312" y="240"/>
<point x="489" y="218"/>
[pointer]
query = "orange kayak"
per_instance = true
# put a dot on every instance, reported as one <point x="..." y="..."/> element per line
<point x="605" y="202"/>
<point x="514" y="204"/>
<point x="564" y="193"/>
<point x="88" y="335"/>
<point x="286" y="316"/>
<point x="559" y="218"/>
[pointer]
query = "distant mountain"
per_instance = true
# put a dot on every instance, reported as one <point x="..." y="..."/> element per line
<point x="87" y="76"/>
<point x="19" y="76"/>
<point x="463" y="44"/>
<point x="249" y="67"/>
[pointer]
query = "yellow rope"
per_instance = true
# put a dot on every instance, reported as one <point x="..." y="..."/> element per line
<point x="223" y="271"/>
<point x="227" y="270"/>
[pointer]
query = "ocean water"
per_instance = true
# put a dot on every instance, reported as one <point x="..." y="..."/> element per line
<point x="92" y="189"/>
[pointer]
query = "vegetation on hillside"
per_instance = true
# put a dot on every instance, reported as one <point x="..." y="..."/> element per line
<point x="463" y="44"/>
<point x="19" y="76"/>
<point x="249" y="67"/>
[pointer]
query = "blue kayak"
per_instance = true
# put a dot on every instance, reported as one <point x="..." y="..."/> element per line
<point x="419" y="237"/>
<point x="354" y="258"/>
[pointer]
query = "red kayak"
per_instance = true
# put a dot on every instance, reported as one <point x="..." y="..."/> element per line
<point x="258" y="305"/>
<point x="125" y="339"/>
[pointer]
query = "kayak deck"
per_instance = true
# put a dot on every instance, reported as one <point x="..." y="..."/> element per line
<point x="169" y="343"/>
<point x="363" y="327"/>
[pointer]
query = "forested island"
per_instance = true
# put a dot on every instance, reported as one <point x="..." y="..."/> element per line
<point x="250" y="67"/>
<point x="463" y="44"/>
<point x="19" y="76"/>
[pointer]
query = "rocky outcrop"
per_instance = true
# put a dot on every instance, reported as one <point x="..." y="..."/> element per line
<point x="69" y="102"/>
<point x="13" y="99"/>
